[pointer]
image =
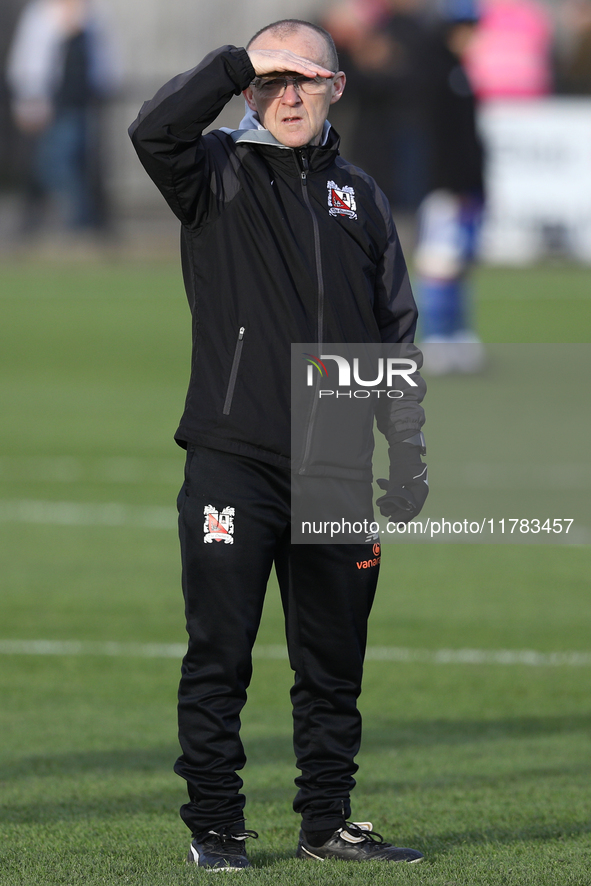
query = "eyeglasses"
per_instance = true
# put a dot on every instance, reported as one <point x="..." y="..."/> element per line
<point x="275" y="87"/>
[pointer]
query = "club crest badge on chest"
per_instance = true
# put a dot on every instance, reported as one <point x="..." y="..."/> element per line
<point x="341" y="201"/>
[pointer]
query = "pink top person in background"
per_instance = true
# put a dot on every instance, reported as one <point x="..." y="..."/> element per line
<point x="510" y="56"/>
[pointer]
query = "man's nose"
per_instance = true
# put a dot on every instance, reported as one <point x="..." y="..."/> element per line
<point x="291" y="96"/>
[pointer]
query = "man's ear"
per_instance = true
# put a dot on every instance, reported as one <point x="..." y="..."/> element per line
<point x="338" y="85"/>
<point x="249" y="98"/>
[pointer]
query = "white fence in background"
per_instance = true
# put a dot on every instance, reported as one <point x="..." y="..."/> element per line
<point x="538" y="180"/>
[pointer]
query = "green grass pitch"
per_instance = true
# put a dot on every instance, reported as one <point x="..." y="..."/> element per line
<point x="483" y="767"/>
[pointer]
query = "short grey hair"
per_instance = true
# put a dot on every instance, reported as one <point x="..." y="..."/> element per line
<point x="287" y="26"/>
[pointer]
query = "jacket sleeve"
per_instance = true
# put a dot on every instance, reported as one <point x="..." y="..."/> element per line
<point x="167" y="134"/>
<point x="396" y="313"/>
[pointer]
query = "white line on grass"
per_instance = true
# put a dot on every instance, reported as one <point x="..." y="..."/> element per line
<point x="145" y="470"/>
<point x="107" y="469"/>
<point x="278" y="653"/>
<point x="71" y="513"/>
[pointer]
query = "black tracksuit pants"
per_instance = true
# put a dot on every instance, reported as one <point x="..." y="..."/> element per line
<point x="326" y="597"/>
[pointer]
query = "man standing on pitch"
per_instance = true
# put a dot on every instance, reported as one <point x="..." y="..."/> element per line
<point x="270" y="258"/>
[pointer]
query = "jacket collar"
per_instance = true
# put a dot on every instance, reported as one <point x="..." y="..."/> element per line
<point x="250" y="122"/>
<point x="252" y="132"/>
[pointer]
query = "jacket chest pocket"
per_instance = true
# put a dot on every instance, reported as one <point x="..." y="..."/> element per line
<point x="234" y="372"/>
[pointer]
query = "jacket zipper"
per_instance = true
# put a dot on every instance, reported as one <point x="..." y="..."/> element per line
<point x="234" y="372"/>
<point x="317" y="253"/>
<point x="320" y="313"/>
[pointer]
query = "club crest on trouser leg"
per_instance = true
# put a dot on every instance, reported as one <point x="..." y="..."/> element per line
<point x="218" y="525"/>
<point x="341" y="201"/>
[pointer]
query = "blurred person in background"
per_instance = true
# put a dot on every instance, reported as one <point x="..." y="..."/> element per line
<point x="61" y="67"/>
<point x="450" y="215"/>
<point x="574" y="65"/>
<point x="510" y="56"/>
<point x="382" y="45"/>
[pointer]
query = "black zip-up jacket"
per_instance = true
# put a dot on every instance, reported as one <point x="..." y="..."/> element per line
<point x="267" y="264"/>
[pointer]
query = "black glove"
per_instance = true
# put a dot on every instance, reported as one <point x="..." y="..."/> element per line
<point x="408" y="487"/>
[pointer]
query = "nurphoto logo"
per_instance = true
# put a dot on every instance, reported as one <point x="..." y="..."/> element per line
<point x="386" y="372"/>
